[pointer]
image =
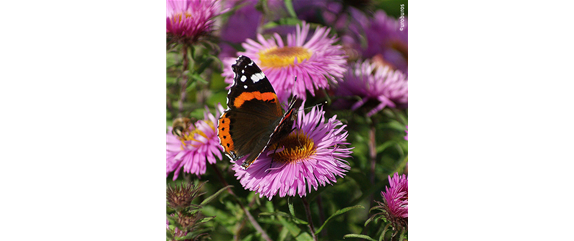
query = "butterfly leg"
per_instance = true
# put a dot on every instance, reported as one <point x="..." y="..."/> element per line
<point x="274" y="151"/>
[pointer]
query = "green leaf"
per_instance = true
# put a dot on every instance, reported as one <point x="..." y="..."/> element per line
<point x="359" y="236"/>
<point x="293" y="229"/>
<point x="248" y="237"/>
<point x="394" y="125"/>
<point x="291" y="208"/>
<point x="169" y="235"/>
<point x="401" y="166"/>
<point x="276" y="214"/>
<point x="385" y="145"/>
<point x="293" y="216"/>
<point x="337" y="213"/>
<point x="269" y="206"/>
<point x="206" y="219"/>
<point x="384" y="231"/>
<point x="204" y="64"/>
<point x="283" y="234"/>
<point x="289" y="6"/>
<point x="369" y="220"/>
<point x="210" y="198"/>
<point x="402" y="235"/>
<point x="304" y="237"/>
<point x="196" y="76"/>
<point x="299" y="221"/>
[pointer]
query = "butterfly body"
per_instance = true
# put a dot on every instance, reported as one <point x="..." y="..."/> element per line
<point x="254" y="118"/>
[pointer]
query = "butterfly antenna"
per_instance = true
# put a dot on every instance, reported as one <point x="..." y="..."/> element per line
<point x="320" y="104"/>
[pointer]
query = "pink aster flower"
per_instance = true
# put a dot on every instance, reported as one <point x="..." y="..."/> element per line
<point x="396" y="200"/>
<point x="374" y="82"/>
<point x="314" y="62"/>
<point x="310" y="156"/>
<point x="195" y="146"/>
<point x="188" y="20"/>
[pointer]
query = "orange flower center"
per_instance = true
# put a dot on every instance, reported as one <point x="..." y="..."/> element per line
<point x="283" y="57"/>
<point x="297" y="147"/>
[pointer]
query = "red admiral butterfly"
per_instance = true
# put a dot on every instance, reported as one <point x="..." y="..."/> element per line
<point x="254" y="118"/>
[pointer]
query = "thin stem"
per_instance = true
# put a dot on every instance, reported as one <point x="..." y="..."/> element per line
<point x="309" y="218"/>
<point x="247" y="213"/>
<point x="183" y="92"/>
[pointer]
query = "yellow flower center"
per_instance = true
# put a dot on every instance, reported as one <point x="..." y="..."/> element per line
<point x="297" y="147"/>
<point x="189" y="135"/>
<point x="178" y="17"/>
<point x="283" y="57"/>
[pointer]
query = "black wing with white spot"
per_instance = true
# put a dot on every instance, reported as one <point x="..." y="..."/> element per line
<point x="248" y="77"/>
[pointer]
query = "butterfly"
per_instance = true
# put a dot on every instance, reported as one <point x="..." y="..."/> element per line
<point x="254" y="118"/>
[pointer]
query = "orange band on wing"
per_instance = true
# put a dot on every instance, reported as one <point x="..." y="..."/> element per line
<point x="223" y="133"/>
<point x="247" y="96"/>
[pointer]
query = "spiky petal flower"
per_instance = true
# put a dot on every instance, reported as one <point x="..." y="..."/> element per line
<point x="187" y="219"/>
<point x="310" y="156"/>
<point x="314" y="62"/>
<point x="180" y="196"/>
<point x="195" y="147"/>
<point x="396" y="200"/>
<point x="188" y="20"/>
<point x="375" y="82"/>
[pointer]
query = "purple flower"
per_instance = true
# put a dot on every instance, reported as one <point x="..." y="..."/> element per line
<point x="188" y="20"/>
<point x="396" y="200"/>
<point x="310" y="156"/>
<point x="196" y="146"/>
<point x="314" y="62"/>
<point x="374" y="82"/>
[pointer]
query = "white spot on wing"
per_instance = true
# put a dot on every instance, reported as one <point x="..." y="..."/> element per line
<point x="245" y="86"/>
<point x="250" y="64"/>
<point x="257" y="77"/>
<point x="243" y="71"/>
<point x="243" y="78"/>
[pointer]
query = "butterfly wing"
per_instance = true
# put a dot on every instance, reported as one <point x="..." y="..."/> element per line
<point x="252" y="115"/>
